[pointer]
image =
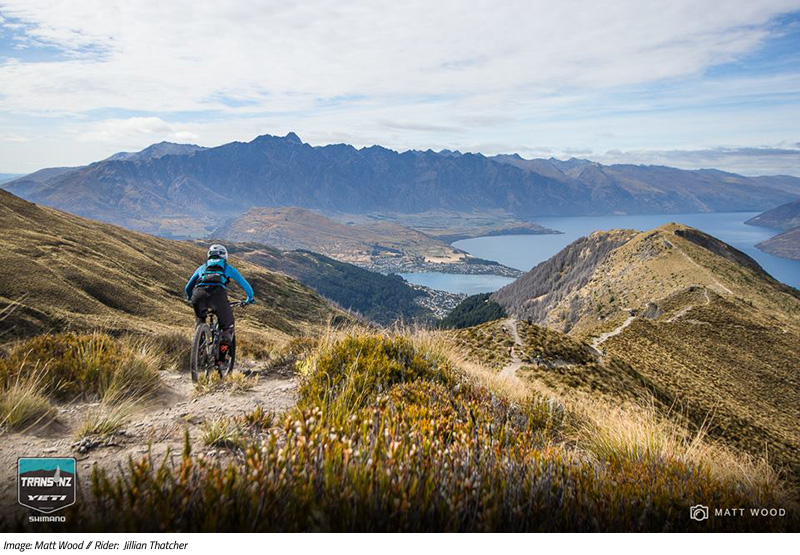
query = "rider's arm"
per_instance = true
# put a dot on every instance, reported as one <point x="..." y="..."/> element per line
<point x="190" y="285"/>
<point x="234" y="273"/>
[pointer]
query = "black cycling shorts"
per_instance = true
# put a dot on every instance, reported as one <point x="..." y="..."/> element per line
<point x="215" y="298"/>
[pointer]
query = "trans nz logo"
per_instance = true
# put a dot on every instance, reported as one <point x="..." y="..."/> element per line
<point x="46" y="485"/>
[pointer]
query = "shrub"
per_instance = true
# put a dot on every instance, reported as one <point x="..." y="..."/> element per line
<point x="348" y="374"/>
<point x="420" y="449"/>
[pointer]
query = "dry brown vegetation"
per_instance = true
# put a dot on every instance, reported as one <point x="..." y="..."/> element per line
<point x="83" y="275"/>
<point x="685" y="317"/>
<point x="386" y="436"/>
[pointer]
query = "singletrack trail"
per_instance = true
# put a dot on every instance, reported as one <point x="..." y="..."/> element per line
<point x="602" y="338"/>
<point x="509" y="372"/>
<point x="685" y="310"/>
<point x="157" y="427"/>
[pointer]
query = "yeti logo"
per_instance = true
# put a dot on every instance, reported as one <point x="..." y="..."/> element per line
<point x="46" y="485"/>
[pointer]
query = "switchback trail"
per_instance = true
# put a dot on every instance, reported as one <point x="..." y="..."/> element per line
<point x="685" y="310"/>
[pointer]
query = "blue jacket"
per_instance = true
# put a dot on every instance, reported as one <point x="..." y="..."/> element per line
<point x="230" y="272"/>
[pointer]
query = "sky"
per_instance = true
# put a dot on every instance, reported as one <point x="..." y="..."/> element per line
<point x="685" y="83"/>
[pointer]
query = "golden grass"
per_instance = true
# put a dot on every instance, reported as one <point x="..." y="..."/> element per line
<point x="235" y="383"/>
<point x="22" y="403"/>
<point x="84" y="365"/>
<point x="107" y="418"/>
<point x="222" y="432"/>
<point x="391" y="433"/>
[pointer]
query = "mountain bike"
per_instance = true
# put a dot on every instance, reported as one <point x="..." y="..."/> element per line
<point x="205" y="355"/>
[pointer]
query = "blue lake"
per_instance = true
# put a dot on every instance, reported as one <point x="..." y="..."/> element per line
<point x="526" y="251"/>
<point x="458" y="283"/>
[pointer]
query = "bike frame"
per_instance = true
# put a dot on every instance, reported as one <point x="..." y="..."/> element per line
<point x="210" y="346"/>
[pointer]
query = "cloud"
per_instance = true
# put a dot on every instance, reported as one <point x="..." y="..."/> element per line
<point x="135" y="128"/>
<point x="576" y="74"/>
<point x="158" y="56"/>
<point x="747" y="161"/>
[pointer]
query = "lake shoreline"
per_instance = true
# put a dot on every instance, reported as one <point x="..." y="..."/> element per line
<point x="522" y="252"/>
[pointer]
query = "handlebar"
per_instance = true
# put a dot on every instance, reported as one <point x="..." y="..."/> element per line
<point x="232" y="303"/>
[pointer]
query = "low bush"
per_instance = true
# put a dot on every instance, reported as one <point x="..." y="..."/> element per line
<point x="388" y="437"/>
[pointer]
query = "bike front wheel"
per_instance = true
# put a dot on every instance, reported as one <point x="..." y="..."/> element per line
<point x="201" y="360"/>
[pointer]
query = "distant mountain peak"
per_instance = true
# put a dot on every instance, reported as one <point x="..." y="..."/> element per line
<point x="292" y="137"/>
<point x="157" y="150"/>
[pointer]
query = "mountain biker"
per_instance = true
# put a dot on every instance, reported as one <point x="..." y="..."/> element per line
<point x="207" y="289"/>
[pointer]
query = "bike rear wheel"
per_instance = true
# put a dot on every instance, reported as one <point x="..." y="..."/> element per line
<point x="201" y="360"/>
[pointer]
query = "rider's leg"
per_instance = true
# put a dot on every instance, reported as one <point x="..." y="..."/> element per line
<point x="200" y="303"/>
<point x="219" y="300"/>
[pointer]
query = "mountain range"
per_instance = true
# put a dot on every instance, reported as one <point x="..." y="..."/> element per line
<point x="186" y="190"/>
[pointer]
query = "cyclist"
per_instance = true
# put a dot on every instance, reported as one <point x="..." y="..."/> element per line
<point x="207" y="289"/>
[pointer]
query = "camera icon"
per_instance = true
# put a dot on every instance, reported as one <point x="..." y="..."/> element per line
<point x="698" y="512"/>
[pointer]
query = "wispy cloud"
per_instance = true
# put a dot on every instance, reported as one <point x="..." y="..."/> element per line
<point x="626" y="75"/>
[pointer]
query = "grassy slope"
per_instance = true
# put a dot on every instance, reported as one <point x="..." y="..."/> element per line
<point x="555" y="362"/>
<point x="381" y="298"/>
<point x="298" y="228"/>
<point x="712" y="330"/>
<point x="74" y="273"/>
<point x="390" y="433"/>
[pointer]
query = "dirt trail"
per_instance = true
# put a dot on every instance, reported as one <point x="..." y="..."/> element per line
<point x="685" y="310"/>
<point x="159" y="426"/>
<point x="602" y="338"/>
<point x="509" y="372"/>
<point x="722" y="288"/>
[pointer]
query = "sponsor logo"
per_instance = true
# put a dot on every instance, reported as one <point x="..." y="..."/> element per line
<point x="698" y="512"/>
<point x="45" y="484"/>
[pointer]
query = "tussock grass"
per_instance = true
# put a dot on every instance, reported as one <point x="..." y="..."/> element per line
<point x="235" y="383"/>
<point x="643" y="433"/>
<point x="222" y="432"/>
<point x="107" y="418"/>
<point x="22" y="403"/>
<point x="84" y="366"/>
<point x="174" y="350"/>
<point x="54" y="368"/>
<point x="391" y="434"/>
<point x="258" y="420"/>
